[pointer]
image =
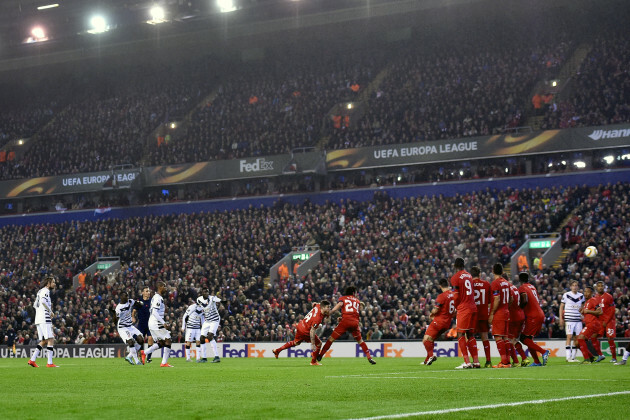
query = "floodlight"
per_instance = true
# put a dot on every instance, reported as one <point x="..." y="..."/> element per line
<point x="579" y="164"/>
<point x="609" y="159"/>
<point x="38" y="33"/>
<point x="226" y="6"/>
<point x="48" y="6"/>
<point x="99" y="25"/>
<point x="158" y="15"/>
<point x="349" y="105"/>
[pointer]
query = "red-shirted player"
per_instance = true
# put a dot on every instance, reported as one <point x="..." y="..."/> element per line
<point x="441" y="317"/>
<point x="350" y="308"/>
<point x="499" y="313"/>
<point x="534" y="318"/>
<point x="517" y="320"/>
<point x="609" y="323"/>
<point x="588" y="336"/>
<point x="482" y="293"/>
<point x="305" y="331"/>
<point x="461" y="283"/>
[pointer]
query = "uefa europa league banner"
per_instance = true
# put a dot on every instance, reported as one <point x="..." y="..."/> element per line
<point x="548" y="141"/>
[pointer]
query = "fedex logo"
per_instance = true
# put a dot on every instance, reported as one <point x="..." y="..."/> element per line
<point x="293" y="352"/>
<point x="384" y="350"/>
<point x="248" y="350"/>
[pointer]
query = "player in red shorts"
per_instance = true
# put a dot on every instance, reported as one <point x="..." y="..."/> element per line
<point x="441" y="317"/>
<point x="482" y="293"/>
<point x="591" y="311"/>
<point x="609" y="323"/>
<point x="461" y="283"/>
<point x="305" y="331"/>
<point x="517" y="320"/>
<point x="500" y="314"/>
<point x="350" y="308"/>
<point x="534" y="318"/>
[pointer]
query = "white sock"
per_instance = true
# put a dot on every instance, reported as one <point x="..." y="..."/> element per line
<point x="187" y="353"/>
<point x="568" y="352"/>
<point x="166" y="353"/>
<point x="626" y="353"/>
<point x="214" y="348"/>
<point x="133" y="353"/>
<point x="137" y="347"/>
<point x="197" y="353"/>
<point x="35" y="354"/>
<point x="151" y="349"/>
<point x="203" y="350"/>
<point x="50" y="354"/>
<point x="574" y="353"/>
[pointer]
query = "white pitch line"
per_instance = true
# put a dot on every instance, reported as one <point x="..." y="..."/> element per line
<point x="489" y="379"/>
<point x="485" y="407"/>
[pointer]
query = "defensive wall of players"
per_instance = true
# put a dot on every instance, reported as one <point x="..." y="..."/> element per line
<point x="388" y="349"/>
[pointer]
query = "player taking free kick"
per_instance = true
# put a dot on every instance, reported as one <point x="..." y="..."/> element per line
<point x="350" y="307"/>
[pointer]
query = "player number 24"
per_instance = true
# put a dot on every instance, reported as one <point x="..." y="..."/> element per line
<point x="352" y="306"/>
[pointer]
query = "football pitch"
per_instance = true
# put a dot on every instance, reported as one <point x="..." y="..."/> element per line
<point x="342" y="388"/>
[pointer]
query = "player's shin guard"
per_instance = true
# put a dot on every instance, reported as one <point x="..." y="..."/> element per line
<point x="463" y="348"/>
<point x="613" y="348"/>
<point x="597" y="346"/>
<point x="203" y="349"/>
<point x="166" y="353"/>
<point x="569" y="352"/>
<point x="287" y="345"/>
<point x="472" y="348"/>
<point x="533" y="346"/>
<point x="584" y="348"/>
<point x="151" y="349"/>
<point x="187" y="351"/>
<point x="36" y="353"/>
<point x="503" y="351"/>
<point x="50" y="354"/>
<point x="365" y="349"/>
<point x="213" y="343"/>
<point x="520" y="350"/>
<point x="486" y="349"/>
<point x="429" y="346"/>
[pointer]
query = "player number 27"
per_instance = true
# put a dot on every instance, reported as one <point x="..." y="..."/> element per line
<point x="352" y="306"/>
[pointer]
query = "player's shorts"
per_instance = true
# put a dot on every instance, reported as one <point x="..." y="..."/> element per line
<point x="482" y="326"/>
<point x="209" y="327"/>
<point x="533" y="326"/>
<point x="44" y="331"/>
<point x="608" y="330"/>
<point x="573" y="328"/>
<point x="159" y="333"/>
<point x="500" y="327"/>
<point x="127" y="333"/>
<point x="349" y="325"/>
<point x="466" y="320"/>
<point x="515" y="329"/>
<point x="591" y="329"/>
<point x="435" y="329"/>
<point x="192" y="334"/>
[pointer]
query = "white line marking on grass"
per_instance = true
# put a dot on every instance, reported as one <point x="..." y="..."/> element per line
<point x="487" y="379"/>
<point x="485" y="407"/>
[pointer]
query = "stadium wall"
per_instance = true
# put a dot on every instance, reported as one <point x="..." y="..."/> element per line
<point x="446" y="189"/>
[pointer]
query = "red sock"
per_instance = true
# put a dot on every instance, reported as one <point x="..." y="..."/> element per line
<point x="519" y="349"/>
<point x="486" y="349"/>
<point x="325" y="348"/>
<point x="314" y="356"/>
<point x="533" y="346"/>
<point x="287" y="345"/>
<point x="597" y="345"/>
<point x="463" y="348"/>
<point x="472" y="348"/>
<point x="365" y="350"/>
<point x="534" y="356"/>
<point x="613" y="348"/>
<point x="512" y="352"/>
<point x="429" y="346"/>
<point x="585" y="352"/>
<point x="501" y="348"/>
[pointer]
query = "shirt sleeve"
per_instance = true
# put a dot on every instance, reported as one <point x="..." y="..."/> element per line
<point x="215" y="299"/>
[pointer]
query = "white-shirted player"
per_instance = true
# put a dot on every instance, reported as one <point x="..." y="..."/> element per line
<point x="158" y="327"/>
<point x="43" y="322"/>
<point x="211" y="323"/>
<point x="571" y="319"/>
<point x="191" y="323"/>
<point x="126" y="330"/>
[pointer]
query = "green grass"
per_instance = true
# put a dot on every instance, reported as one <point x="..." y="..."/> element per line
<point x="291" y="388"/>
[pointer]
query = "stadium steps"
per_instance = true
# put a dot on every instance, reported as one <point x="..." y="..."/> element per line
<point x="570" y="68"/>
<point x="558" y="262"/>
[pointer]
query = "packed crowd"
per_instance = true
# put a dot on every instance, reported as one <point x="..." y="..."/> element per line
<point x="394" y="250"/>
<point x="457" y="87"/>
<point x="600" y="89"/>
